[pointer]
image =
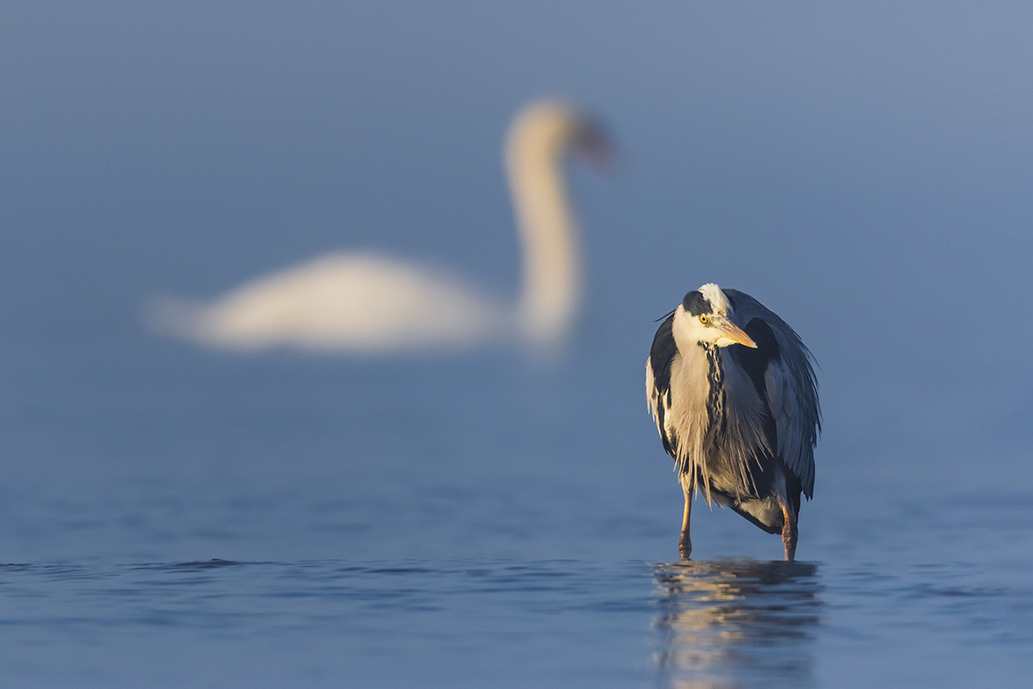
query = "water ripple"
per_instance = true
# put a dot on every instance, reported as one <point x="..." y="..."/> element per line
<point x="724" y="623"/>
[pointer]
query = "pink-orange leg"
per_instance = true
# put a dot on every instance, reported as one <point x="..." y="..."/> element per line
<point x="789" y="531"/>
<point x="685" y="544"/>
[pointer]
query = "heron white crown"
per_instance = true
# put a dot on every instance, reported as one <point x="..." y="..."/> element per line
<point x="717" y="299"/>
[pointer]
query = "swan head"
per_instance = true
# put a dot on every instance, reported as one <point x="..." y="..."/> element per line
<point x="552" y="128"/>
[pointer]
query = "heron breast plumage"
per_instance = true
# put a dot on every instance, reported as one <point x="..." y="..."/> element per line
<point x="715" y="423"/>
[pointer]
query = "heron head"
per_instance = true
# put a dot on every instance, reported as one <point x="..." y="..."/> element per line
<point x="705" y="316"/>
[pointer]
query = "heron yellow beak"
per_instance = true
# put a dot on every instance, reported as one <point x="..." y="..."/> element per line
<point x="736" y="334"/>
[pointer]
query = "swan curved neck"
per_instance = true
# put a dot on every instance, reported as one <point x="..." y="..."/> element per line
<point x="551" y="280"/>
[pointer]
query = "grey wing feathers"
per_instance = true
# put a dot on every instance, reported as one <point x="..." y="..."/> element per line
<point x="658" y="380"/>
<point x="791" y="387"/>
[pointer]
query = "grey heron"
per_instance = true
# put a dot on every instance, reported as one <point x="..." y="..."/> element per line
<point x="360" y="302"/>
<point x="733" y="393"/>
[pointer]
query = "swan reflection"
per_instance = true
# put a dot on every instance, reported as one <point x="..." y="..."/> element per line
<point x="736" y="623"/>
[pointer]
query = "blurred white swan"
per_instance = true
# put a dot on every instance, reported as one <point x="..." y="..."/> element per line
<point x="361" y="302"/>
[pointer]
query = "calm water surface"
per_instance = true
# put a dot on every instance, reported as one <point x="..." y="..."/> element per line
<point x="507" y="623"/>
<point x="172" y="518"/>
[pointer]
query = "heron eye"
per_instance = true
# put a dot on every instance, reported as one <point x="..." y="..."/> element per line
<point x="703" y="318"/>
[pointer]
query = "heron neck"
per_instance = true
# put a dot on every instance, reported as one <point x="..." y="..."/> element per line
<point x="551" y="280"/>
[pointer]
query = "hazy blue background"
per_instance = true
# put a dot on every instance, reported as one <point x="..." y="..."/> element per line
<point x="865" y="171"/>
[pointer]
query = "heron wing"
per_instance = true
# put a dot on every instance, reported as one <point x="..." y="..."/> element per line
<point x="789" y="385"/>
<point x="658" y="381"/>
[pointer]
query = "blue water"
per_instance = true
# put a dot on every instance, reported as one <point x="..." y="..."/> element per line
<point x="512" y="623"/>
<point x="177" y="518"/>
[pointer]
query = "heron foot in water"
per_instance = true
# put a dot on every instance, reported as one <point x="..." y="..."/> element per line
<point x="685" y="546"/>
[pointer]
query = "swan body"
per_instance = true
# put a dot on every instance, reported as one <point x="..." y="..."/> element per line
<point x="353" y="302"/>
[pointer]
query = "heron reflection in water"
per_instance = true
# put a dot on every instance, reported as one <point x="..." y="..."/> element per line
<point x="736" y="623"/>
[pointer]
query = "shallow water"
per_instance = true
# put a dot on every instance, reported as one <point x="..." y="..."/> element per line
<point x="721" y="623"/>
<point x="380" y="583"/>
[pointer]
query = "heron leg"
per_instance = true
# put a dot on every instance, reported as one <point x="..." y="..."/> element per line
<point x="789" y="531"/>
<point x="685" y="544"/>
